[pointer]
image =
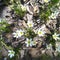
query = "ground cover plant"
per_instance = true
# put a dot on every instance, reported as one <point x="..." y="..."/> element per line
<point x="30" y="30"/>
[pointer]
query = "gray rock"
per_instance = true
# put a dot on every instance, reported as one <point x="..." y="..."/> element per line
<point x="4" y="52"/>
<point x="35" y="52"/>
<point x="49" y="52"/>
<point x="52" y="24"/>
<point x="22" y="53"/>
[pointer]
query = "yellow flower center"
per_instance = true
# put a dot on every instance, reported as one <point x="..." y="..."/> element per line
<point x="30" y="25"/>
<point x="54" y="36"/>
<point x="46" y="1"/>
<point x="39" y="32"/>
<point x="28" y="41"/>
<point x="21" y="33"/>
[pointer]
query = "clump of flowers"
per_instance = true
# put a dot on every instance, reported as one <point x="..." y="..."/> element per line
<point x="29" y="33"/>
<point x="39" y="15"/>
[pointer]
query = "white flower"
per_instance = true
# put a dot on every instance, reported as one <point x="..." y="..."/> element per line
<point x="30" y="23"/>
<point x="23" y="8"/>
<point x="15" y="34"/>
<point x="34" y="43"/>
<point x="58" y="47"/>
<point x="41" y="32"/>
<point x="54" y="15"/>
<point x="49" y="46"/>
<point x="35" y="31"/>
<point x="18" y="33"/>
<point x="56" y="36"/>
<point x="28" y="42"/>
<point x="11" y="53"/>
<point x="46" y="1"/>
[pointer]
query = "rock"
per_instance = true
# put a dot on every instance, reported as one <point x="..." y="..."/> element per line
<point x="4" y="52"/>
<point x="24" y="24"/>
<point x="49" y="52"/>
<point x="9" y="35"/>
<point x="7" y="15"/>
<point x="59" y="29"/>
<point x="45" y="29"/>
<point x="30" y="9"/>
<point x="29" y="17"/>
<point x="20" y="23"/>
<point x="35" y="52"/>
<point x="38" y="21"/>
<point x="56" y="53"/>
<point x="24" y="1"/>
<point x="22" y="53"/>
<point x="5" y="58"/>
<point x="14" y="29"/>
<point x="6" y="12"/>
<point x="41" y="1"/>
<point x="33" y="9"/>
<point x="51" y="24"/>
<point x="36" y="10"/>
<point x="43" y="51"/>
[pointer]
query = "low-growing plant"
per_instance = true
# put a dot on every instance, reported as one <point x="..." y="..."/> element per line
<point x="24" y="38"/>
<point x="19" y="9"/>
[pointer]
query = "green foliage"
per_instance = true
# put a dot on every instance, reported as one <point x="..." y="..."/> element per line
<point x="45" y="57"/>
<point x="3" y="26"/>
<point x="6" y="2"/>
<point x="46" y="10"/>
<point x="50" y="40"/>
<point x="54" y="1"/>
<point x="45" y="14"/>
<point x="30" y="33"/>
<point x="19" y="9"/>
